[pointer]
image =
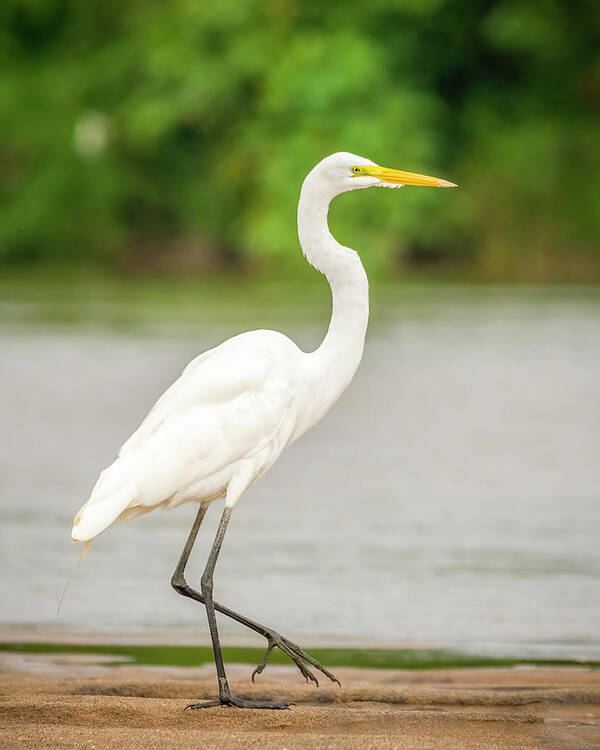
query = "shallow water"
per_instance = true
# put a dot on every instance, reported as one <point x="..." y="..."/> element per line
<point x="450" y="497"/>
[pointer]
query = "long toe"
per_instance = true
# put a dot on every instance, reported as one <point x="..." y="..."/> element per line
<point x="298" y="656"/>
<point x="317" y="665"/>
<point x="205" y="704"/>
<point x="262" y="704"/>
<point x="235" y="702"/>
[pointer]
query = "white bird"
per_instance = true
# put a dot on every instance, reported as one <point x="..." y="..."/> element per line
<point x="227" y="418"/>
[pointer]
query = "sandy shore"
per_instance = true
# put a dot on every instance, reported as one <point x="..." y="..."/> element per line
<point x="74" y="701"/>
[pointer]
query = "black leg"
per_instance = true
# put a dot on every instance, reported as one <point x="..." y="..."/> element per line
<point x="274" y="639"/>
<point x="225" y="696"/>
<point x="178" y="581"/>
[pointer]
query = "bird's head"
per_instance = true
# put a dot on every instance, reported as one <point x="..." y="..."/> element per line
<point x="343" y="171"/>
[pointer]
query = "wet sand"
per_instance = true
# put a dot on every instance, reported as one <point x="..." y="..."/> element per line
<point x="76" y="701"/>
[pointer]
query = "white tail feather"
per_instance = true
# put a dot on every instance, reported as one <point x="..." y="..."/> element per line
<point x="94" y="517"/>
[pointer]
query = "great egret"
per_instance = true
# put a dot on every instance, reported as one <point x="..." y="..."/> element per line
<point x="225" y="421"/>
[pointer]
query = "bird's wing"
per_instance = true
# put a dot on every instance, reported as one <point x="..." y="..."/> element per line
<point x="228" y="404"/>
<point x="238" y="366"/>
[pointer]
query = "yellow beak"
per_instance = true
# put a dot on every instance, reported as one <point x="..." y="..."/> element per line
<point x="397" y="177"/>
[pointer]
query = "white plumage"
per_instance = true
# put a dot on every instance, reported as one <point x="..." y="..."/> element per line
<point x="214" y="431"/>
<point x="224" y="422"/>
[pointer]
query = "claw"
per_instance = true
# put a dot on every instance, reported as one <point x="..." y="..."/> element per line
<point x="206" y="704"/>
<point x="307" y="657"/>
<point x="297" y="655"/>
<point x="306" y="673"/>
<point x="233" y="701"/>
<point x="260" y="667"/>
<point x="311" y="677"/>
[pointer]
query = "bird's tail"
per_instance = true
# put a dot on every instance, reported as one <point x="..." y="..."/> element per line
<point x="97" y="514"/>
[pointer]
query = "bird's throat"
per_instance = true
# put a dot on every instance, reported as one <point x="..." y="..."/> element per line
<point x="338" y="356"/>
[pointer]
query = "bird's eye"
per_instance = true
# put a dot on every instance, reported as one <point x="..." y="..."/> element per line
<point x="355" y="170"/>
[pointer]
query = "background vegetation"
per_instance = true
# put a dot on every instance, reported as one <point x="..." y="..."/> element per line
<point x="174" y="136"/>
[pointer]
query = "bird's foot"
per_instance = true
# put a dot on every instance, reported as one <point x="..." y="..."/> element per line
<point x="231" y="700"/>
<point x="297" y="655"/>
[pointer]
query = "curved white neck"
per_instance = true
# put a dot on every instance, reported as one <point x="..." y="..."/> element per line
<point x="335" y="361"/>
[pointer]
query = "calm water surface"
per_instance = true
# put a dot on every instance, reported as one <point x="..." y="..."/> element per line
<point x="451" y="496"/>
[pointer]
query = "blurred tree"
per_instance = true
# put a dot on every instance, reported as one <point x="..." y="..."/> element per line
<point x="134" y="129"/>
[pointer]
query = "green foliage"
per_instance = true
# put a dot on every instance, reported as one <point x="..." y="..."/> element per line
<point x="134" y="129"/>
